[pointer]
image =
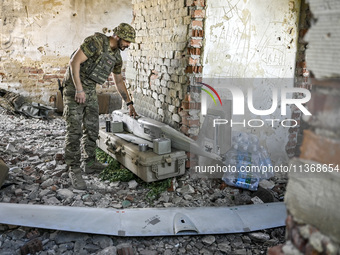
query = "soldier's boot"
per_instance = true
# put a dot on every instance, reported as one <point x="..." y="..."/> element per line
<point x="92" y="166"/>
<point x="77" y="179"/>
<point x="3" y="172"/>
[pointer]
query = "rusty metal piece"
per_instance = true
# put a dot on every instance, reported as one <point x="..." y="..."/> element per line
<point x="125" y="249"/>
<point x="32" y="247"/>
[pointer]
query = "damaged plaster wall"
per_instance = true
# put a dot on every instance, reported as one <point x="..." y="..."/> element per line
<point x="254" y="39"/>
<point x="37" y="38"/>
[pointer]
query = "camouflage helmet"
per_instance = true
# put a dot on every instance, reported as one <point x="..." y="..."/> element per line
<point x="126" y="32"/>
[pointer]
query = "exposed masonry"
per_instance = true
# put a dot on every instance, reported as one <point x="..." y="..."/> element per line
<point x="302" y="80"/>
<point x="165" y="62"/>
<point x="164" y="58"/>
<point x="309" y="204"/>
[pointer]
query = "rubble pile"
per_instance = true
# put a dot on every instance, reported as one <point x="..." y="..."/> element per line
<point x="33" y="150"/>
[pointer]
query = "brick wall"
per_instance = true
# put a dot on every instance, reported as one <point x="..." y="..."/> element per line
<point x="304" y="239"/>
<point x="165" y="62"/>
<point x="39" y="82"/>
<point x="302" y="80"/>
<point x="156" y="67"/>
<point x="35" y="81"/>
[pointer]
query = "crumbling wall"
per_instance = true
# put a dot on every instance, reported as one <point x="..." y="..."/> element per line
<point x="38" y="37"/>
<point x="312" y="197"/>
<point x="254" y="39"/>
<point x="157" y="61"/>
<point x="302" y="80"/>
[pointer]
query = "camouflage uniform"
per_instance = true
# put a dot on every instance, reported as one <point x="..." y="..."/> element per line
<point x="82" y="120"/>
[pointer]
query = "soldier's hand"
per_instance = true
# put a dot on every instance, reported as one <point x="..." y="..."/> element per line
<point x="132" y="111"/>
<point x="80" y="97"/>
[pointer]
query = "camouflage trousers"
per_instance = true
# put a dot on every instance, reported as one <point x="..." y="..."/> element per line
<point x="82" y="126"/>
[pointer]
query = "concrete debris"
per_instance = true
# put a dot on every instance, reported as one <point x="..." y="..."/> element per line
<point x="267" y="184"/>
<point x="33" y="151"/>
<point x="132" y="184"/>
<point x="261" y="237"/>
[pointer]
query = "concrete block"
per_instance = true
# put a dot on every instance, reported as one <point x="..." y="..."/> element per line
<point x="168" y="100"/>
<point x="167" y="62"/>
<point x="166" y="77"/>
<point x="164" y="83"/>
<point x="161" y="98"/>
<point x="172" y="108"/>
<point x="176" y="118"/>
<point x="174" y="78"/>
<point x="165" y="91"/>
<point x="172" y="93"/>
<point x="158" y="103"/>
<point x="155" y="95"/>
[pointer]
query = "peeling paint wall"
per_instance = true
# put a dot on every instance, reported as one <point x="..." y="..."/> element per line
<point x="37" y="38"/>
<point x="254" y="39"/>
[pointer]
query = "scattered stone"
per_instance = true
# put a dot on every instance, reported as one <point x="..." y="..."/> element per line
<point x="15" y="170"/>
<point x="17" y="234"/>
<point x="199" y="245"/>
<point x="102" y="241"/>
<point x="64" y="194"/>
<point x="129" y="198"/>
<point x="242" y="199"/>
<point x="208" y="240"/>
<point x="266" y="184"/>
<point x="257" y="200"/>
<point x="51" y="201"/>
<point x="258" y="236"/>
<point x="264" y="194"/>
<point x="47" y="183"/>
<point x="187" y="197"/>
<point x="240" y="252"/>
<point x="224" y="247"/>
<point x="133" y="184"/>
<point x="187" y="189"/>
<point x="126" y="204"/>
<point x="115" y="184"/>
<point x="18" y="192"/>
<point x="117" y="206"/>
<point x="40" y="175"/>
<point x="10" y="148"/>
<point x="148" y="252"/>
<point x="66" y="237"/>
<point x="112" y="250"/>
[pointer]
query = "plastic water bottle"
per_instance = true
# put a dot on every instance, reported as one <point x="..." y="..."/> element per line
<point x="266" y="162"/>
<point x="247" y="181"/>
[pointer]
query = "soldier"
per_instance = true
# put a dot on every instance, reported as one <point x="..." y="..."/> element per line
<point x="91" y="64"/>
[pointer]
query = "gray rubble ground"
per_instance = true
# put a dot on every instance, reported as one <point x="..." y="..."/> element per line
<point x="33" y="149"/>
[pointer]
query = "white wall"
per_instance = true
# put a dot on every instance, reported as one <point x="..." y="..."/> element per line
<point x="38" y="37"/>
<point x="56" y="26"/>
<point x="254" y="39"/>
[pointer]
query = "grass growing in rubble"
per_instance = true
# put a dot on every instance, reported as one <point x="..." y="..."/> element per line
<point x="114" y="172"/>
